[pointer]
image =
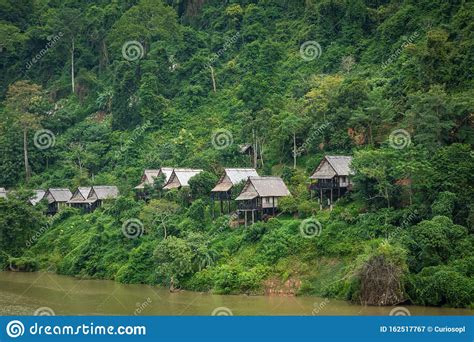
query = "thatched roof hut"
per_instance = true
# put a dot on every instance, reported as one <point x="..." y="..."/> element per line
<point x="260" y="196"/>
<point x="57" y="198"/>
<point x="148" y="177"/>
<point x="332" y="166"/>
<point x="180" y="177"/>
<point x="333" y="175"/>
<point x="58" y="195"/>
<point x="103" y="192"/>
<point x="263" y="187"/>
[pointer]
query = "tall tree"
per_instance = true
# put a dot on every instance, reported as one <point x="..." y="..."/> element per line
<point x="23" y="103"/>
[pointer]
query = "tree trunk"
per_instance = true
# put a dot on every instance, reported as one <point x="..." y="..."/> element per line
<point x="213" y="78"/>
<point x="294" y="151"/>
<point x="254" y="149"/>
<point x="25" y="153"/>
<point x="371" y="139"/>
<point x="72" y="66"/>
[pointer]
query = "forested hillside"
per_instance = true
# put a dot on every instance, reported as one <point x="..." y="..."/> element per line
<point x="93" y="93"/>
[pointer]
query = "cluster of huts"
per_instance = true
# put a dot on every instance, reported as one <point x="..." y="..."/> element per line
<point x="260" y="195"/>
<point x="258" y="198"/>
<point x="85" y="198"/>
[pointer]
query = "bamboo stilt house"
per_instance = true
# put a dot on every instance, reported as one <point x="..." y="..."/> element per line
<point x="57" y="199"/>
<point x="333" y="178"/>
<point x="180" y="177"/>
<point x="231" y="177"/>
<point x="100" y="194"/>
<point x="259" y="198"/>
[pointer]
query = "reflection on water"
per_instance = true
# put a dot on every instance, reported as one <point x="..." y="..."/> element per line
<point x="24" y="293"/>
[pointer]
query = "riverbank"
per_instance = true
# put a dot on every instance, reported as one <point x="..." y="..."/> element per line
<point x="280" y="257"/>
<point x="24" y="293"/>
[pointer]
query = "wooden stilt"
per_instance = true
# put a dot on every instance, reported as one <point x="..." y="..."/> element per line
<point x="212" y="205"/>
<point x="321" y="199"/>
<point x="330" y="205"/>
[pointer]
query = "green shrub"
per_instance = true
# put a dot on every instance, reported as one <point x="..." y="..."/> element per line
<point x="140" y="267"/>
<point x="441" y="286"/>
<point x="277" y="243"/>
<point x="444" y="204"/>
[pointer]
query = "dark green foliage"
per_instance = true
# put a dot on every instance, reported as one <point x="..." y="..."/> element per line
<point x="444" y="204"/>
<point x="438" y="241"/>
<point x="201" y="184"/>
<point x="384" y="65"/>
<point x="445" y="285"/>
<point x="19" y="223"/>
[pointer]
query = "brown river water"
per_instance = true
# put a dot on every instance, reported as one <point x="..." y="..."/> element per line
<point x="47" y="293"/>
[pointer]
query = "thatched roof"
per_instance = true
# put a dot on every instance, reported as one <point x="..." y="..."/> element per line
<point x="103" y="192"/>
<point x="332" y="166"/>
<point x="232" y="177"/>
<point x="3" y="193"/>
<point x="149" y="176"/>
<point x="180" y="177"/>
<point x="37" y="197"/>
<point x="80" y="195"/>
<point x="263" y="187"/>
<point x="58" y="195"/>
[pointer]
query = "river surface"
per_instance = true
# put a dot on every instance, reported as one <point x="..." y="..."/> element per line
<point x="46" y="293"/>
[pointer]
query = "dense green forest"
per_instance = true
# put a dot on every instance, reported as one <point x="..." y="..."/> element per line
<point x="94" y="92"/>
